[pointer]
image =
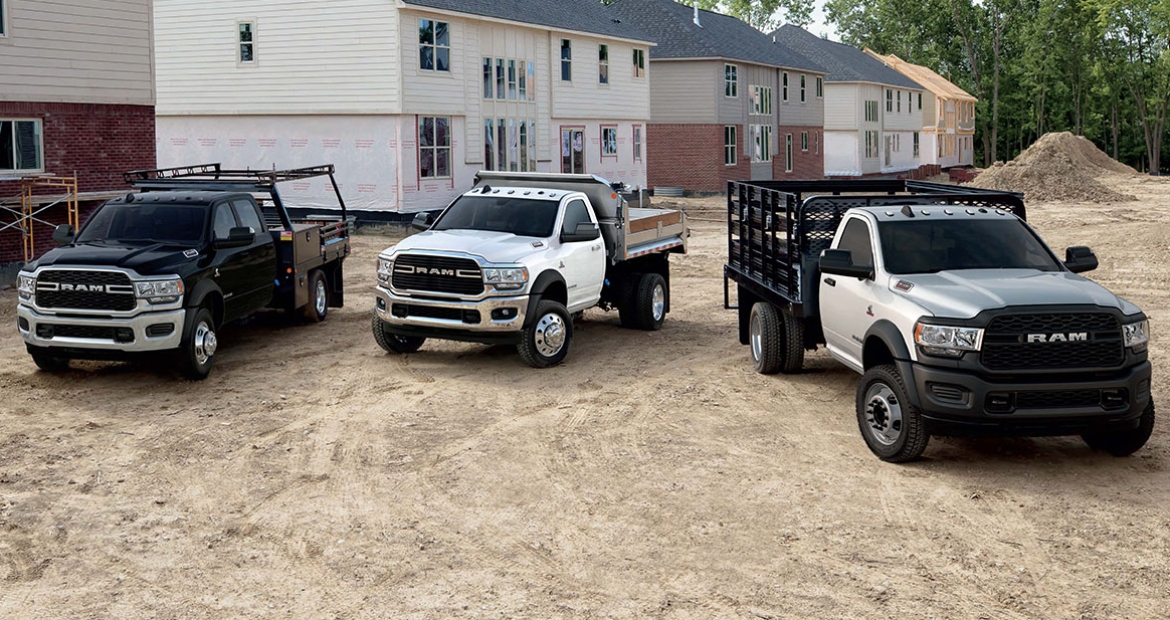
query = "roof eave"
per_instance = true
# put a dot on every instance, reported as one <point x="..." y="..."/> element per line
<point x="500" y="20"/>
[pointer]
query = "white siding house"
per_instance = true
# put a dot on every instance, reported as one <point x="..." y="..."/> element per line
<point x="408" y="99"/>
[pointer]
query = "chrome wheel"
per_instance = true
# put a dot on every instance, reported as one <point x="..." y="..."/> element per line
<point x="205" y="343"/>
<point x="321" y="298"/>
<point x="757" y="338"/>
<point x="550" y="334"/>
<point x="883" y="414"/>
<point x="658" y="305"/>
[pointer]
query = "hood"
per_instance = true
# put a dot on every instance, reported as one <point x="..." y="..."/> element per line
<point x="147" y="260"/>
<point x="494" y="247"/>
<point x="965" y="293"/>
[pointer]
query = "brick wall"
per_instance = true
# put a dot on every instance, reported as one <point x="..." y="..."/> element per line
<point x="806" y="164"/>
<point x="691" y="157"/>
<point x="97" y="143"/>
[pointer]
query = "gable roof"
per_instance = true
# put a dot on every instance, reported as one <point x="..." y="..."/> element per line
<point x="845" y="63"/>
<point x="671" y="25"/>
<point x="587" y="16"/>
<point x="932" y="81"/>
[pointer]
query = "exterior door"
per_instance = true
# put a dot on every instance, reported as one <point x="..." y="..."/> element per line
<point x="229" y="270"/>
<point x="584" y="261"/>
<point x="259" y="259"/>
<point x="573" y="151"/>
<point x="847" y="303"/>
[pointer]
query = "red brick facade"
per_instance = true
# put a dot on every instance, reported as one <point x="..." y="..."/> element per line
<point x="97" y="143"/>
<point x="692" y="156"/>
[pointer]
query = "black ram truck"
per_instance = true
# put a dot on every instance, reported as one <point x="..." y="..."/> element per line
<point x="162" y="270"/>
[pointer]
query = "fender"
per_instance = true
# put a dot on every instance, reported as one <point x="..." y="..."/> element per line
<point x="200" y="292"/>
<point x="888" y="333"/>
<point x="542" y="283"/>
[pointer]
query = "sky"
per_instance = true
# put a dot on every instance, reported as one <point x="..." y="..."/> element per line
<point x="818" y="25"/>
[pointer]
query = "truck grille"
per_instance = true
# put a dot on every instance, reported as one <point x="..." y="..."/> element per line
<point x="437" y="274"/>
<point x="100" y="290"/>
<point x="1011" y="342"/>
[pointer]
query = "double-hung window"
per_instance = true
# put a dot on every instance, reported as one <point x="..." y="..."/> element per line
<point x="637" y="143"/>
<point x="512" y="80"/>
<point x="487" y="78"/>
<point x="730" y="81"/>
<point x="247" y="40"/>
<point x="603" y="64"/>
<point x="434" y="147"/>
<point x="20" y="146"/>
<point x="889" y="100"/>
<point x="804" y="141"/>
<point x="566" y="60"/>
<point x="899" y="101"/>
<point x="639" y="63"/>
<point x="434" y="45"/>
<point x="609" y="142"/>
<point x="788" y="152"/>
<point x="820" y="87"/>
<point x="784" y="87"/>
<point x="802" y="96"/>
<point x="3" y="19"/>
<point x="730" y="143"/>
<point x="916" y="144"/>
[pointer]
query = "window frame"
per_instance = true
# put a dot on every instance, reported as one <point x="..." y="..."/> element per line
<point x="252" y="23"/>
<point x="762" y="135"/>
<point x="606" y="155"/>
<point x="730" y="81"/>
<point x="889" y="100"/>
<point x="899" y="98"/>
<point x="435" y="148"/>
<point x="804" y="142"/>
<point x="637" y="142"/>
<point x="803" y="97"/>
<point x="917" y="144"/>
<point x="40" y="132"/>
<point x="868" y="236"/>
<point x="489" y="79"/>
<point x="730" y="147"/>
<point x="434" y="45"/>
<point x="784" y="87"/>
<point x="513" y="79"/>
<point x="820" y="87"/>
<point x="5" y="25"/>
<point x="919" y="102"/>
<point x="639" y="59"/>
<point x="602" y="64"/>
<point x="761" y="100"/>
<point x="788" y="154"/>
<point x="567" y="62"/>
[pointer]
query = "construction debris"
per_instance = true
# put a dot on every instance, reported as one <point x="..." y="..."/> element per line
<point x="1059" y="167"/>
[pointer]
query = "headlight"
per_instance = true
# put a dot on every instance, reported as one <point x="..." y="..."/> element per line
<point x="1137" y="335"/>
<point x="159" y="291"/>
<point x="947" y="340"/>
<point x="385" y="270"/>
<point x="26" y="286"/>
<point x="506" y="278"/>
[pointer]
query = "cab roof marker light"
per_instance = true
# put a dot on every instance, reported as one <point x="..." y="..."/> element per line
<point x="889" y="214"/>
<point x="925" y="212"/>
<point x="970" y="211"/>
<point x="948" y="212"/>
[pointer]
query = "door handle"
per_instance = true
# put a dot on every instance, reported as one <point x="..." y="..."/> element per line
<point x="830" y="282"/>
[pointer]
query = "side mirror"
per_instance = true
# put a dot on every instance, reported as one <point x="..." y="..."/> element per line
<point x="422" y="221"/>
<point x="63" y="234"/>
<point x="585" y="231"/>
<point x="238" y="237"/>
<point x="840" y="263"/>
<point x="1079" y="259"/>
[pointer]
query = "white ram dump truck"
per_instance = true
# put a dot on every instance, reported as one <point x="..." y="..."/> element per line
<point x="518" y="257"/>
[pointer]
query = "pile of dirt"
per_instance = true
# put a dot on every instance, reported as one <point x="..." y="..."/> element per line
<point x="1059" y="167"/>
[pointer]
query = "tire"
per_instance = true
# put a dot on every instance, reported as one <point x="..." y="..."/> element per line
<point x="318" y="307"/>
<point x="627" y="304"/>
<point x="890" y="424"/>
<point x="197" y="350"/>
<point x="393" y="343"/>
<point x="645" y="304"/>
<point x="50" y="363"/>
<point x="1124" y="443"/>
<point x="547" y="339"/>
<point x="776" y="340"/>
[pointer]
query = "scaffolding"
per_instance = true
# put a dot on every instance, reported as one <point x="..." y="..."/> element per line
<point x="39" y="194"/>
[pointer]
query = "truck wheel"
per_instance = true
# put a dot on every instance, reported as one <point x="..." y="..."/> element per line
<point x="1124" y="443"/>
<point x="628" y="301"/>
<point x="546" y="341"/>
<point x="647" y="303"/>
<point x="197" y="351"/>
<point x="777" y="340"/>
<point x="890" y="424"/>
<point x="393" y="343"/>
<point x="50" y="363"/>
<point x="318" y="305"/>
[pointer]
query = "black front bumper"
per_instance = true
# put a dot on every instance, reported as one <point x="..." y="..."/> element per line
<point x="1041" y="406"/>
<point x="461" y="335"/>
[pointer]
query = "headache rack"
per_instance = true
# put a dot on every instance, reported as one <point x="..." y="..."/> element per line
<point x="212" y="177"/>
<point x="776" y="230"/>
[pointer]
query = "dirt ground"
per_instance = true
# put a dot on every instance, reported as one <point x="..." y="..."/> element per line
<point x="654" y="475"/>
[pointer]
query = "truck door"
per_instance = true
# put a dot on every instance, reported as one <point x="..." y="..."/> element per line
<point x="229" y="271"/>
<point x="846" y="304"/>
<point x="259" y="259"/>
<point x="584" y="261"/>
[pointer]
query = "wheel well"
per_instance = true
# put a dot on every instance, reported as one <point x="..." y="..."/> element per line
<point x="556" y="291"/>
<point x="876" y="353"/>
<point x="214" y="302"/>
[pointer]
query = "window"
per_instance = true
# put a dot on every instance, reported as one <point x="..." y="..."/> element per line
<point x="489" y="144"/>
<point x="855" y="238"/>
<point x="531" y="145"/>
<point x="575" y="213"/>
<point x="889" y="100"/>
<point x="871" y="111"/>
<point x="512" y="80"/>
<point x="899" y="101"/>
<point x="804" y="141"/>
<point x="487" y="78"/>
<point x="513" y="146"/>
<point x="3" y="19"/>
<point x="434" y="45"/>
<point x="761" y="101"/>
<point x="637" y="143"/>
<point x="802" y="97"/>
<point x="500" y="79"/>
<point x="761" y="143"/>
<point x="572" y="150"/>
<point x="20" y="146"/>
<point x="247" y="215"/>
<point x="817" y="143"/>
<point x="532" y="81"/>
<point x="501" y="144"/>
<point x="566" y="60"/>
<point x="820" y="87"/>
<point x="919" y="101"/>
<point x="788" y="152"/>
<point x="603" y="64"/>
<point x="609" y="142"/>
<point x="225" y="221"/>
<point x="730" y="81"/>
<point x="523" y="83"/>
<point x="916" y="144"/>
<point x="639" y="63"/>
<point x="729" y="145"/>
<point x="434" y="147"/>
<point x="871" y="144"/>
<point x="247" y="35"/>
<point x="784" y="87"/>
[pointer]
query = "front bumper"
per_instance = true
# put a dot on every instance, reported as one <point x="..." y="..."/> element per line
<point x="1053" y="407"/>
<point x="34" y="326"/>
<point x="481" y="320"/>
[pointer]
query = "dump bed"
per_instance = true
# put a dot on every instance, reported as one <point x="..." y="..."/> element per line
<point x="628" y="231"/>
<point x="776" y="230"/>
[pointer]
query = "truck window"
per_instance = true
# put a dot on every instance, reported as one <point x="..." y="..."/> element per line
<point x="930" y="246"/>
<point x="177" y="224"/>
<point x="246" y="213"/>
<point x="524" y="217"/>
<point x="575" y="213"/>
<point x="225" y="221"/>
<point x="855" y="238"/>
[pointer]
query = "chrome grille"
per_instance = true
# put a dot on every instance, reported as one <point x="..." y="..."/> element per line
<point x="54" y="290"/>
<point x="437" y="274"/>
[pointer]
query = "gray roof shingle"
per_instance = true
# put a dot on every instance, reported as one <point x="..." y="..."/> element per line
<point x="578" y="15"/>
<point x="844" y="63"/>
<point x="671" y="25"/>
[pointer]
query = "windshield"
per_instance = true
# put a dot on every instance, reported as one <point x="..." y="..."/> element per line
<point x="929" y="246"/>
<point x="524" y="217"/>
<point x="181" y="225"/>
